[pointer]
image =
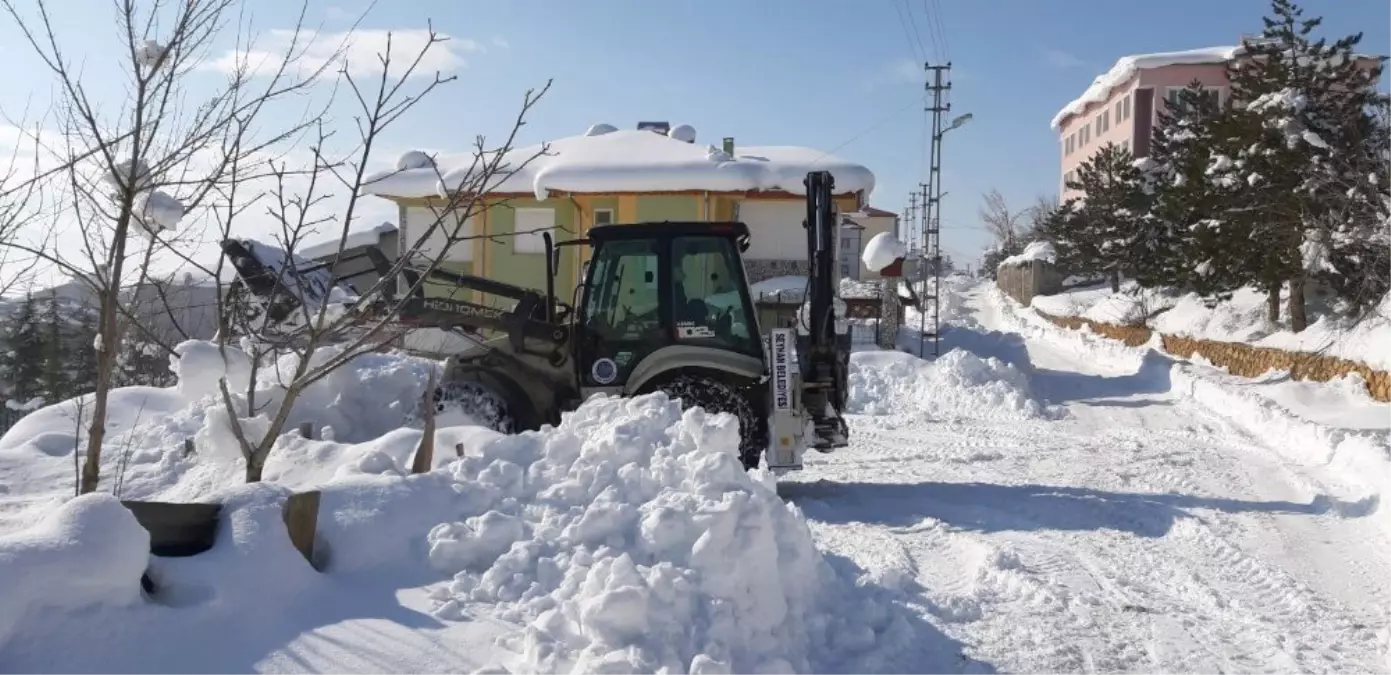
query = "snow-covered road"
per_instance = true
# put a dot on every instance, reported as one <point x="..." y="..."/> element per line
<point x="1118" y="526"/>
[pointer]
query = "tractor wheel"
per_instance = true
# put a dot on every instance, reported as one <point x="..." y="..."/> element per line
<point x="718" y="397"/>
<point x="469" y="402"/>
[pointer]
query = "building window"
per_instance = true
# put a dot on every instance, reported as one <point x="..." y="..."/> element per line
<point x="530" y="224"/>
<point x="603" y="216"/>
<point x="1127" y="105"/>
<point x="1175" y="104"/>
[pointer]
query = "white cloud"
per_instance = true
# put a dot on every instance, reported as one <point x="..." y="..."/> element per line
<point x="361" y="50"/>
<point x="1058" y="58"/>
<point x="501" y="42"/>
<point x="906" y="70"/>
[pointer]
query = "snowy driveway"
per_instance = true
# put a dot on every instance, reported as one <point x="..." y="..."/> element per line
<point x="1120" y="526"/>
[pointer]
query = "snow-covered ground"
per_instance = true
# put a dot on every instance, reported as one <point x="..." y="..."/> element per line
<point x="1035" y="499"/>
<point x="1240" y="319"/>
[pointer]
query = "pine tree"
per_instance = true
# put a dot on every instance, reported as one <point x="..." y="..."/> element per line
<point x="24" y="350"/>
<point x="56" y="353"/>
<point x="1109" y="231"/>
<point x="1308" y="134"/>
<point x="1205" y="233"/>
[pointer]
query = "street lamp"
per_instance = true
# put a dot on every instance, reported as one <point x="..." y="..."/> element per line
<point x="958" y="121"/>
<point x="930" y="222"/>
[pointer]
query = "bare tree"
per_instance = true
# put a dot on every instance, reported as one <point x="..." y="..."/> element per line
<point x="328" y="326"/>
<point x="999" y="220"/>
<point x="135" y="174"/>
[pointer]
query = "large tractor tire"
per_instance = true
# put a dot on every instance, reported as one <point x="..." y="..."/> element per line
<point x="716" y="396"/>
<point x="467" y="401"/>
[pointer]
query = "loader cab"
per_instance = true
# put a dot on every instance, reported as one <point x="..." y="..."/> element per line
<point x="650" y="286"/>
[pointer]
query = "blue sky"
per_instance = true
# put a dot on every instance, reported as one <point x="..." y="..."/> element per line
<point x="840" y="76"/>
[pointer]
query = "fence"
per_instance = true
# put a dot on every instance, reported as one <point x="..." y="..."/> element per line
<point x="1022" y="281"/>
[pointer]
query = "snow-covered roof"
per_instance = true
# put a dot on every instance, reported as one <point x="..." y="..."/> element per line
<point x="631" y="161"/>
<point x="1127" y="66"/>
<point x="872" y="212"/>
<point x="354" y="240"/>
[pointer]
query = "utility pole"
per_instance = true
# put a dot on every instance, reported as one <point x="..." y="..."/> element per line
<point x="912" y="214"/>
<point x="922" y="227"/>
<point x="932" y="214"/>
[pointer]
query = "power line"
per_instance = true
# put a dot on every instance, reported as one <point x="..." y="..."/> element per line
<point x="866" y="132"/>
<point x="938" y="27"/>
<point x="908" y="7"/>
<point x="914" y="43"/>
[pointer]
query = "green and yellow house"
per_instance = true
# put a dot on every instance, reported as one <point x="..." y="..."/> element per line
<point x="605" y="176"/>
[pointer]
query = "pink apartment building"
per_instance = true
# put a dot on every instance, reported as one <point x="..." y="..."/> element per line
<point x="1121" y="106"/>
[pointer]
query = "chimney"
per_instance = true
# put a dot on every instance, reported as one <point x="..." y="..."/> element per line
<point x="729" y="145"/>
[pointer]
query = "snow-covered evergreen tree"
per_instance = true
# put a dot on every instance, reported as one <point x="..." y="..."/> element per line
<point x="1309" y="144"/>
<point x="57" y="352"/>
<point x="21" y="359"/>
<point x="1206" y="235"/>
<point x="1110" y="230"/>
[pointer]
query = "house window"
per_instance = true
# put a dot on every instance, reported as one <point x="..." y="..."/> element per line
<point x="1105" y="120"/>
<point x="1127" y="106"/>
<point x="603" y="216"/>
<point x="530" y="224"/>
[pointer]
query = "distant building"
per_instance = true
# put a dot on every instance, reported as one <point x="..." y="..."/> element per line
<point x="857" y="228"/>
<point x="1121" y="107"/>
<point x="653" y="172"/>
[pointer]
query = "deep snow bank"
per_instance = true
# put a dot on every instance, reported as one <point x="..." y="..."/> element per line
<point x="959" y="382"/>
<point x="88" y="551"/>
<point x="630" y="538"/>
<point x="369" y="397"/>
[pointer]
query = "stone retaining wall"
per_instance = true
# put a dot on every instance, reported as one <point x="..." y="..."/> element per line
<point x="1241" y="359"/>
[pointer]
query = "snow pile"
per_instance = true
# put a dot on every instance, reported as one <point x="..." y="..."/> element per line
<point x="414" y="159"/>
<point x="149" y="53"/>
<point x="958" y="383"/>
<point x="1127" y="66"/>
<point x="88" y="551"/>
<point x="631" y="160"/>
<point x="366" y="400"/>
<point x="1132" y="305"/>
<point x="1240" y="319"/>
<point x="882" y="250"/>
<point x="683" y="132"/>
<point x="630" y="538"/>
<point x="1036" y="250"/>
<point x="155" y="211"/>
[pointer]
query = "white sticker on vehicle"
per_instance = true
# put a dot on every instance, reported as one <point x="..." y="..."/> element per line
<point x="693" y="331"/>
<point x="782" y="365"/>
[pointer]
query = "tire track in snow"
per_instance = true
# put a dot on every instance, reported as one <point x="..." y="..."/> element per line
<point x="1117" y="538"/>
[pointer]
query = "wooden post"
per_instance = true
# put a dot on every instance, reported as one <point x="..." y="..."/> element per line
<point x="425" y="452"/>
<point x="302" y="521"/>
